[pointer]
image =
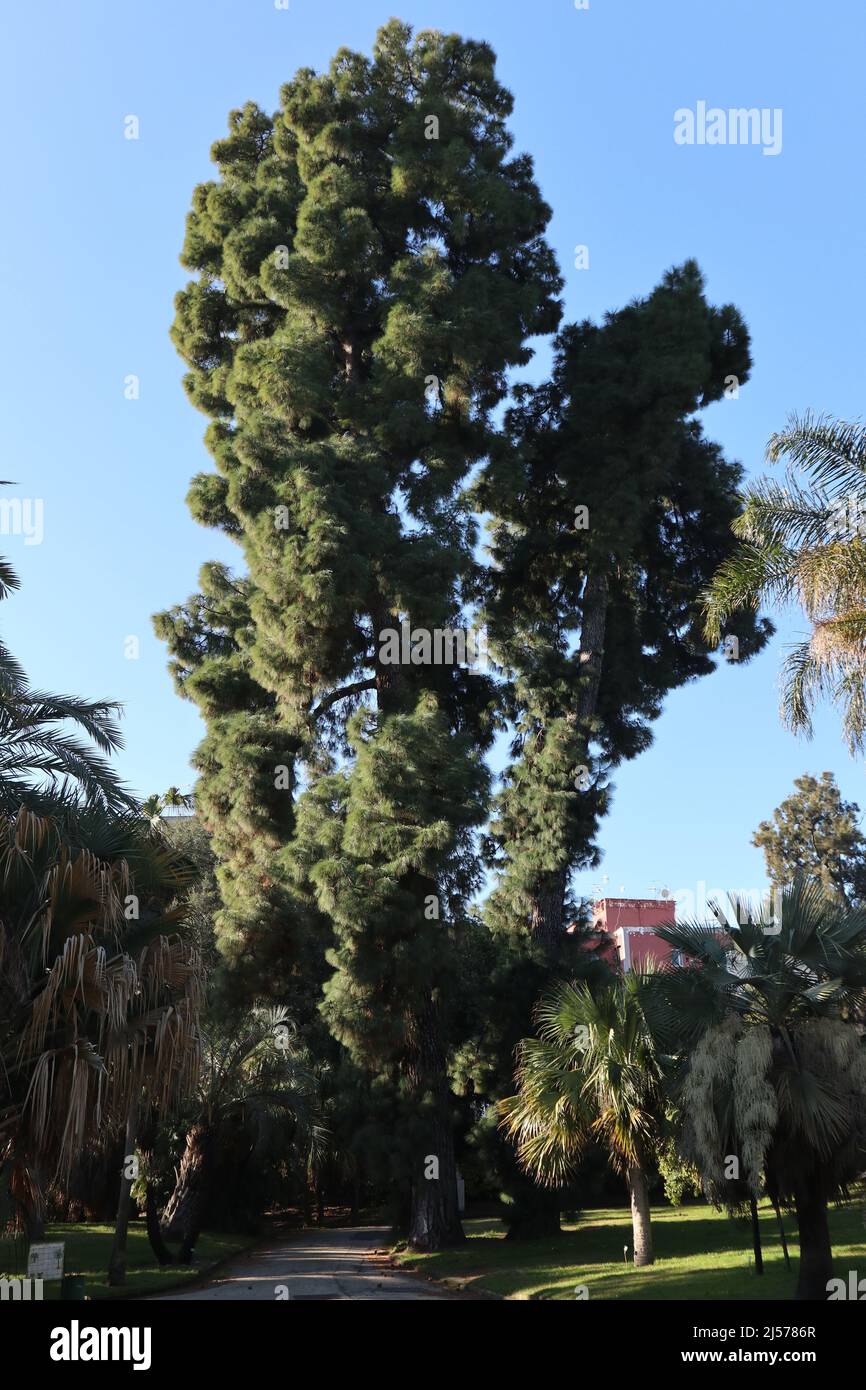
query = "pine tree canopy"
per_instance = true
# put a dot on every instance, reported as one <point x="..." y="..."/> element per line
<point x="814" y="832"/>
<point x="610" y="511"/>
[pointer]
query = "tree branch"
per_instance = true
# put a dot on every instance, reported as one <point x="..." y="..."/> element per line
<point x="354" y="689"/>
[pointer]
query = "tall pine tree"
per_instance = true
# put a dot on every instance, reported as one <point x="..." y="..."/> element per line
<point x="610" y="511"/>
<point x="370" y="263"/>
<point x="816" y="833"/>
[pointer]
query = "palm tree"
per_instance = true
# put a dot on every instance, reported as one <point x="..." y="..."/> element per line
<point x="98" y="990"/>
<point x="592" y="1075"/>
<point x="159" y="1046"/>
<point x="254" y="1072"/>
<point x="172" y="800"/>
<point x="41" y="760"/>
<point x="176" y="800"/>
<point x="774" y="1063"/>
<point x="804" y="541"/>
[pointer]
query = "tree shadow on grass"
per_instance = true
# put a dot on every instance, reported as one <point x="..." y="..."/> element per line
<point x="656" y="1284"/>
<point x="735" y="1284"/>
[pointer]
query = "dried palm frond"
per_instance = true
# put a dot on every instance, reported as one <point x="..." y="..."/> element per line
<point x="92" y="1018"/>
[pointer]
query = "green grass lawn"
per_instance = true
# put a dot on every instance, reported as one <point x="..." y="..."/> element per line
<point x="88" y="1249"/>
<point x="700" y="1254"/>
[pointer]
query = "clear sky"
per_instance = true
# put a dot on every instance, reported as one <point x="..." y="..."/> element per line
<point x="90" y="236"/>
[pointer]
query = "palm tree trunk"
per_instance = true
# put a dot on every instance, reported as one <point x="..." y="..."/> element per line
<point x="640" y="1214"/>
<point x="154" y="1233"/>
<point x="32" y="1207"/>
<point x="117" y="1262"/>
<point x="816" y="1252"/>
<point x="185" y="1210"/>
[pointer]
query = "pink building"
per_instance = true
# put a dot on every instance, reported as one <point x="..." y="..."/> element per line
<point x="630" y="926"/>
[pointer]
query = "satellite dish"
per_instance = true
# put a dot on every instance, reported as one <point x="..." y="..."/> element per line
<point x="666" y="892"/>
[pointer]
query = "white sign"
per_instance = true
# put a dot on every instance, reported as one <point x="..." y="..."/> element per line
<point x="46" y="1261"/>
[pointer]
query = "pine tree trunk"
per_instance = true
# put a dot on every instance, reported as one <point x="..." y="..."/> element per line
<point x="117" y="1262"/>
<point x="640" y="1215"/>
<point x="547" y="912"/>
<point x="548" y="900"/>
<point x="434" y="1221"/>
<point x="816" y="1252"/>
<point x="185" y="1211"/>
<point x="547" y="915"/>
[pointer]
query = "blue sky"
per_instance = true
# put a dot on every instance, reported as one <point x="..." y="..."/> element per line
<point x="89" y="267"/>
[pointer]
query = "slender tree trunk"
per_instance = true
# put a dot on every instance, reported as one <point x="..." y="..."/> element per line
<point x="117" y="1262"/>
<point x="756" y="1236"/>
<point x="640" y="1215"/>
<point x="816" y="1252"/>
<point x="320" y="1204"/>
<point x="782" y="1236"/>
<point x="434" y="1220"/>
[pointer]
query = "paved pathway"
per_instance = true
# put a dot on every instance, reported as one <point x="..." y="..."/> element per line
<point x="321" y="1264"/>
